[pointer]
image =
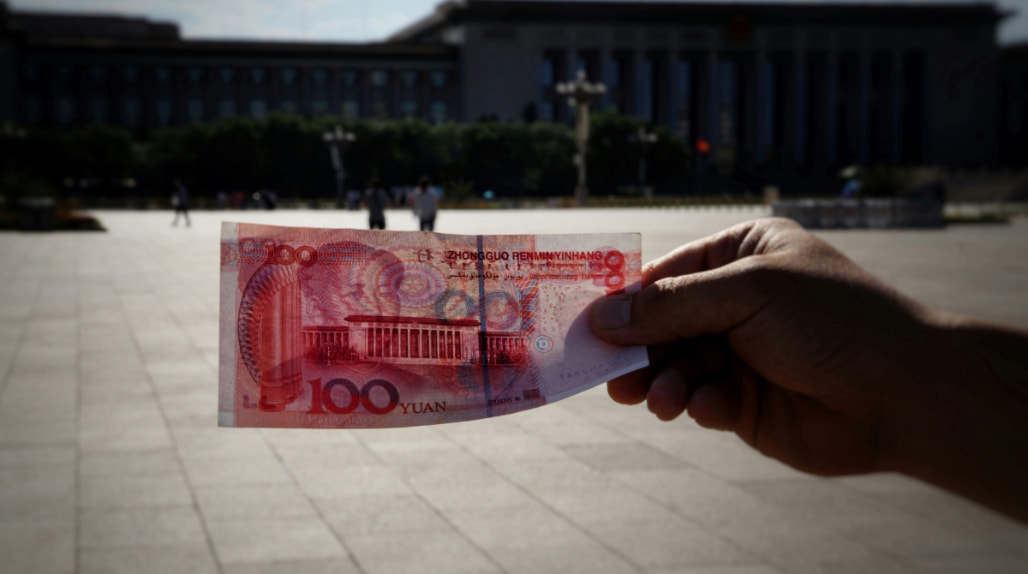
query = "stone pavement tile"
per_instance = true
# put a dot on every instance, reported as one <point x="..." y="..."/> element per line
<point x="356" y="481"/>
<point x="273" y="539"/>
<point x="997" y="564"/>
<point x="155" y="462"/>
<point x="962" y="515"/>
<point x="729" y="569"/>
<point x="158" y="526"/>
<point x="559" y="426"/>
<point x="602" y="505"/>
<point x="584" y="558"/>
<point x="235" y="470"/>
<point x="830" y="503"/>
<point x="871" y="564"/>
<point x="629" y="456"/>
<point x="216" y="442"/>
<point x="460" y="493"/>
<point x="134" y="491"/>
<point x="318" y="566"/>
<point x="125" y="392"/>
<point x="233" y="502"/>
<point x="326" y="456"/>
<point x="350" y="517"/>
<point x="40" y="496"/>
<point x="419" y="552"/>
<point x="694" y="494"/>
<point x="20" y="457"/>
<point x="37" y="549"/>
<point x="552" y="473"/>
<point x="788" y="541"/>
<point x="194" y="558"/>
<point x="523" y="527"/>
<point x="15" y="432"/>
<point x="722" y="455"/>
<point x="116" y="438"/>
<point x="669" y="543"/>
<point x="496" y="440"/>
<point x="913" y="536"/>
<point x="305" y="438"/>
<point x="180" y="406"/>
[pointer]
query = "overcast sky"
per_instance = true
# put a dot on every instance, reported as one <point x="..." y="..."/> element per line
<point x="336" y="20"/>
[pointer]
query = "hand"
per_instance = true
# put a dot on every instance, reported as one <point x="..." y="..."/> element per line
<point x="767" y="331"/>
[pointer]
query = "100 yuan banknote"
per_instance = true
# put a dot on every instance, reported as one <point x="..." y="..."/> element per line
<point x="340" y="328"/>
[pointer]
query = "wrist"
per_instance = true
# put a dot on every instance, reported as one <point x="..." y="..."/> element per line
<point x="960" y="424"/>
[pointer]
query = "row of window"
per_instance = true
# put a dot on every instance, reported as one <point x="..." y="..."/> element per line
<point x="65" y="110"/>
<point x="228" y="75"/>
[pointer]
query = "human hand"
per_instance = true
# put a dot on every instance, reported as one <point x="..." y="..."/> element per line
<point x="767" y="331"/>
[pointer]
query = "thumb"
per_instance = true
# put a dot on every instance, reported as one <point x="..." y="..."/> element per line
<point x="683" y="307"/>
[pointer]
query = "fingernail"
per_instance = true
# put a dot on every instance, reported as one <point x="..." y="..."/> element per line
<point x="612" y="312"/>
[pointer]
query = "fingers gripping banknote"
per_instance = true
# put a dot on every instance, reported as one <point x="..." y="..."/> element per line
<point x="339" y="328"/>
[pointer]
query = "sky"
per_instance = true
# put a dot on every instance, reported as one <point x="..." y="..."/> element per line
<point x="339" y="20"/>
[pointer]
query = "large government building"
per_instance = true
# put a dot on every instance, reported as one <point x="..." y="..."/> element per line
<point x="779" y="88"/>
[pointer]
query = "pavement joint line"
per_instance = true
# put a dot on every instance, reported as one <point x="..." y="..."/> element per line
<point x="174" y="444"/>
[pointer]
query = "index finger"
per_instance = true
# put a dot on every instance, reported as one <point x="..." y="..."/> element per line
<point x="716" y="250"/>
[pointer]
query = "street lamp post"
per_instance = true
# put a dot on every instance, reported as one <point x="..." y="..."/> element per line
<point x="336" y="139"/>
<point x="643" y="139"/>
<point x="580" y="95"/>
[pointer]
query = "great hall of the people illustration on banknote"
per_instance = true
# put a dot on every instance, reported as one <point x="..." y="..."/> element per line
<point x="346" y="328"/>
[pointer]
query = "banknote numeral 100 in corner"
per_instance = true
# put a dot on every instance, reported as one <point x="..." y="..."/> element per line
<point x="326" y="399"/>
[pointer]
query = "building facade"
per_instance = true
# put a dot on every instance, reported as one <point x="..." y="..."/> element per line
<point x="781" y="89"/>
<point x="63" y="71"/>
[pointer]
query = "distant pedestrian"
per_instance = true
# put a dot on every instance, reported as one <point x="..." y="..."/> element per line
<point x="377" y="200"/>
<point x="180" y="201"/>
<point x="425" y="205"/>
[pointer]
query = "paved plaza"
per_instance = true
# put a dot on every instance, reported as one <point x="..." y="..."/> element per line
<point x="111" y="460"/>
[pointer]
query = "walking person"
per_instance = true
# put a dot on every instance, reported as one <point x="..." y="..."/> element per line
<point x="376" y="199"/>
<point x="180" y="200"/>
<point x="425" y="205"/>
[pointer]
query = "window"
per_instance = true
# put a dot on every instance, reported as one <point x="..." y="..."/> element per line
<point x="195" y="74"/>
<point x="379" y="78"/>
<point x="64" y="108"/>
<point x="164" y="111"/>
<point x="132" y="111"/>
<point x="130" y="74"/>
<point x="288" y="76"/>
<point x="288" y="106"/>
<point x="379" y="110"/>
<point x="226" y="75"/>
<point x="257" y="75"/>
<point x="351" y="110"/>
<point x="409" y="79"/>
<point x="226" y="108"/>
<point x="319" y="107"/>
<point x="440" y="79"/>
<point x="351" y="77"/>
<point x="98" y="110"/>
<point x="546" y="111"/>
<point x="30" y="72"/>
<point x="63" y="73"/>
<point x="646" y="90"/>
<point x="439" y="110"/>
<point x="163" y="75"/>
<point x="97" y="74"/>
<point x="319" y="76"/>
<point x="258" y="109"/>
<point x="546" y="72"/>
<point x="195" y="110"/>
<point x="614" y="73"/>
<point x="32" y="109"/>
<point x="409" y="108"/>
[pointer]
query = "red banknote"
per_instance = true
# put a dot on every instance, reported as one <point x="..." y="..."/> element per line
<point x="341" y="328"/>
